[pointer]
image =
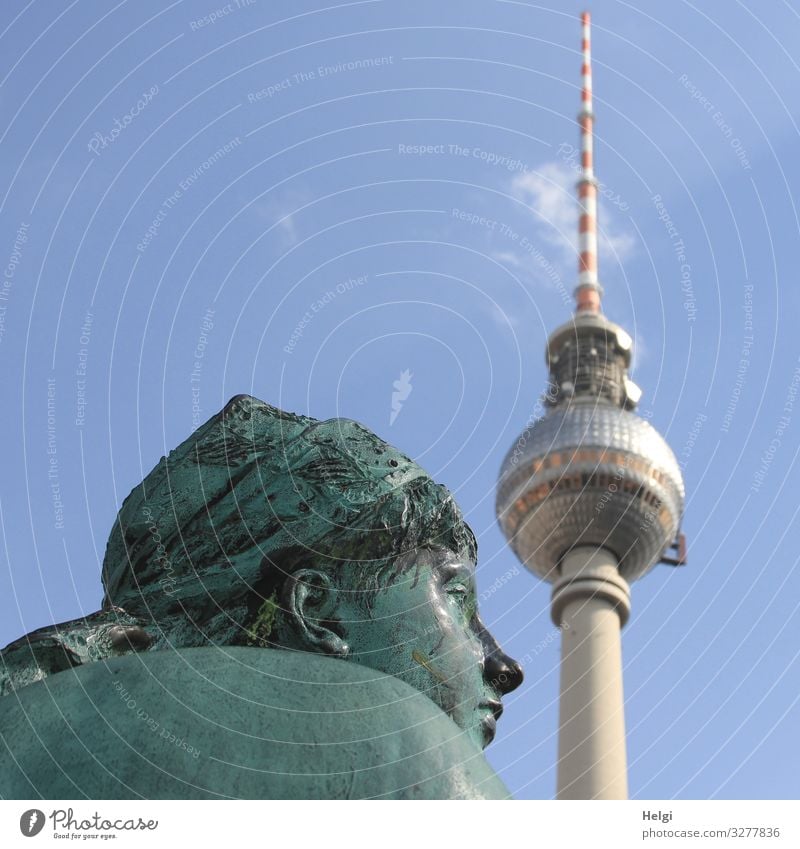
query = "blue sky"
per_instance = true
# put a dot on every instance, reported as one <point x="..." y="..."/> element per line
<point x="320" y="198"/>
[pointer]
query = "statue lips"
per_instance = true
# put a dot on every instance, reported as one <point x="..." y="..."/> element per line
<point x="489" y="722"/>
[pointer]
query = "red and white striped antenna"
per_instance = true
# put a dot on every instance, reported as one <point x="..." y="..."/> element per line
<point x="588" y="291"/>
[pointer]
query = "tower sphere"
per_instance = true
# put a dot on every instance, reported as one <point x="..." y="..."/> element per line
<point x="590" y="473"/>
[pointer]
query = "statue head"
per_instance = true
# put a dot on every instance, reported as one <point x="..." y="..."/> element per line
<point x="270" y="529"/>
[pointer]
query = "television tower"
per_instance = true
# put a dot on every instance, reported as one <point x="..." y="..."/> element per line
<point x="590" y="498"/>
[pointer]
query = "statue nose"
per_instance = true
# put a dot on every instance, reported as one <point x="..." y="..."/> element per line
<point x="502" y="672"/>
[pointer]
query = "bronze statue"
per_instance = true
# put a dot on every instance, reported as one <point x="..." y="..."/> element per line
<point x="300" y="576"/>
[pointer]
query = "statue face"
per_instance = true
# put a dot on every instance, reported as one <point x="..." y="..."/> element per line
<point x="425" y="629"/>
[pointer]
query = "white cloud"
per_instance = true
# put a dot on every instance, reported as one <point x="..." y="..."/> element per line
<point x="280" y="212"/>
<point x="504" y="320"/>
<point x="509" y="258"/>
<point x="641" y="352"/>
<point x="550" y="193"/>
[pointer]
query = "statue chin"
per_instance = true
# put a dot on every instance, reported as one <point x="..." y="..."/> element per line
<point x="234" y="722"/>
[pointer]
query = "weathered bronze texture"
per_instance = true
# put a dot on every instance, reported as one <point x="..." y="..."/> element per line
<point x="267" y="547"/>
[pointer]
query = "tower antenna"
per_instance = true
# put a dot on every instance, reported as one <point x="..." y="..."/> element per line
<point x="588" y="291"/>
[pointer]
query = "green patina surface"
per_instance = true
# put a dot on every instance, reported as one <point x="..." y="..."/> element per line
<point x="264" y="622"/>
<point x="235" y="723"/>
<point x="267" y="535"/>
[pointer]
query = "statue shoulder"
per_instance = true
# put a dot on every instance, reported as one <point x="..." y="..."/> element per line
<point x="235" y="722"/>
<point x="57" y="648"/>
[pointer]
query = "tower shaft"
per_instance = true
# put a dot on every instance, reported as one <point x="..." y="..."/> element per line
<point x="590" y="603"/>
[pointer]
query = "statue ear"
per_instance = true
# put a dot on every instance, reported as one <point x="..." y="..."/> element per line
<point x="309" y="600"/>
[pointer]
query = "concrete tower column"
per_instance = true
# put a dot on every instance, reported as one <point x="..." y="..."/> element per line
<point x="591" y="603"/>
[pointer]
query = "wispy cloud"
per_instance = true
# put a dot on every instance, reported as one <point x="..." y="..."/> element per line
<point x="550" y="193"/>
<point x="281" y="213"/>
<point x="509" y="258"/>
<point x="503" y="319"/>
<point x="641" y="351"/>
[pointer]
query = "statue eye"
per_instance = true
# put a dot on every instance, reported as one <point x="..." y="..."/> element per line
<point x="460" y="591"/>
<point x="465" y="599"/>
